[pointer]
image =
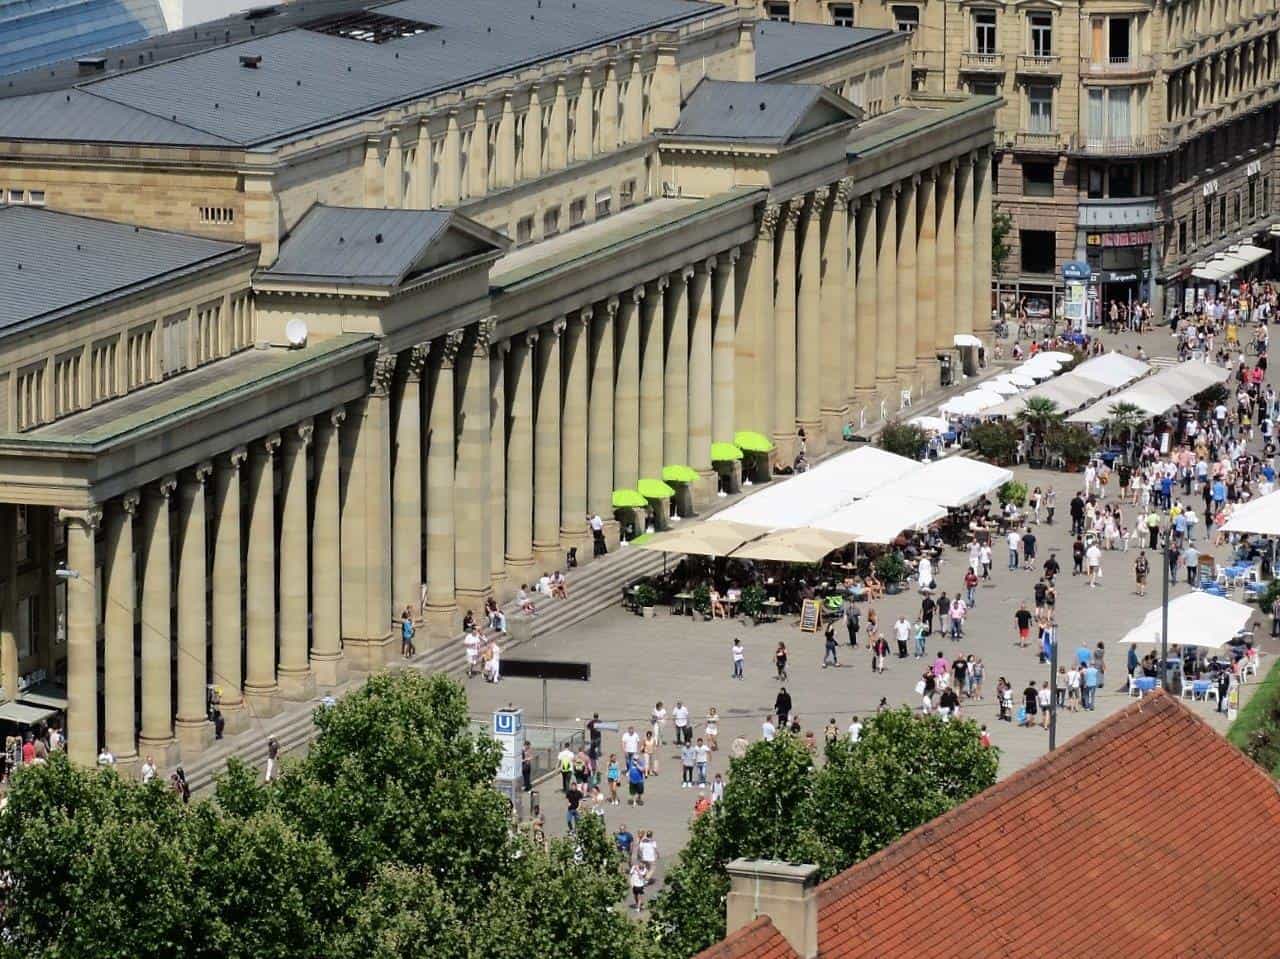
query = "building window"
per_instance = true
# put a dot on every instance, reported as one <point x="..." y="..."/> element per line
<point x="1040" y="109"/>
<point x="842" y="14"/>
<point x="5" y="425"/>
<point x="604" y="203"/>
<point x="551" y="222"/>
<point x="627" y="195"/>
<point x="36" y="197"/>
<point x="1182" y="235"/>
<point x="1041" y="34"/>
<point x="1037" y="179"/>
<point x="66" y="383"/>
<point x="1118" y="40"/>
<point x="1222" y="216"/>
<point x="779" y="11"/>
<point x="524" y="231"/>
<point x="906" y="18"/>
<point x="175" y="357"/>
<point x="577" y="212"/>
<point x="217" y="214"/>
<point x="1206" y="221"/>
<point x="984" y="31"/>
<point x="1037" y="250"/>
<point x="1235" y="208"/>
<point x="1266" y="195"/>
<point x="1253" y="197"/>
<point x="30" y="396"/>
<point x="1110" y="114"/>
<point x="1122" y="181"/>
<point x="17" y="196"/>
<point x="984" y="88"/>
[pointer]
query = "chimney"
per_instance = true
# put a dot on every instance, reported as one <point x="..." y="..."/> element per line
<point x="785" y="892"/>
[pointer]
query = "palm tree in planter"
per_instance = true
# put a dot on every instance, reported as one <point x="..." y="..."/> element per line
<point x="1038" y="415"/>
<point x="1124" y="421"/>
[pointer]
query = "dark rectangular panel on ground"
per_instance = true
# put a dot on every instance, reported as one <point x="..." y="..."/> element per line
<point x="546" y="669"/>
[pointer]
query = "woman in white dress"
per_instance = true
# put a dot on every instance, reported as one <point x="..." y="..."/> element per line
<point x="925" y="573"/>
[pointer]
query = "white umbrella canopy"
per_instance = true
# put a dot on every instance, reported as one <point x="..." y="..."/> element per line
<point x="793" y="546"/>
<point x="1017" y="379"/>
<point x="717" y="538"/>
<point x="1056" y="355"/>
<point x="930" y="424"/>
<point x="1195" y="619"/>
<point x="984" y="399"/>
<point x="1261" y="516"/>
<point x="1003" y="387"/>
<point x="965" y="405"/>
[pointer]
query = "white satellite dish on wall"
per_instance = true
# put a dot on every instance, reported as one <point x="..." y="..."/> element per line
<point x="295" y="332"/>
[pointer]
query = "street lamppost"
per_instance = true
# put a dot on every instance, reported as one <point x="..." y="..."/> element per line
<point x="1053" y="687"/>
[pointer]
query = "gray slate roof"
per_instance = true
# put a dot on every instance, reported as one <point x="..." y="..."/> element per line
<point x="781" y="46"/>
<point x="759" y="112"/>
<point x="308" y="79"/>
<point x="76" y="115"/>
<point x="69" y="261"/>
<point x="369" y="247"/>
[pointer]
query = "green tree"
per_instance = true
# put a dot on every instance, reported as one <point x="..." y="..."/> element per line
<point x="1039" y="414"/>
<point x="1124" y="419"/>
<point x="905" y="439"/>
<point x="1001" y="227"/>
<point x="904" y="771"/>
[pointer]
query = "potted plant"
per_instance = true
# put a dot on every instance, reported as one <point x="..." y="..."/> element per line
<point x="891" y="570"/>
<point x="646" y="599"/>
<point x="752" y="601"/>
<point x="996" y="441"/>
<point x="904" y="439"/>
<point x="1012" y="492"/>
<point x="1074" y="444"/>
<point x="702" y="600"/>
<point x="1039" y="415"/>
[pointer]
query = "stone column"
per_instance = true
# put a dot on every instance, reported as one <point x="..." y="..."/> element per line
<point x="838" y="314"/>
<point x="451" y="162"/>
<point x="327" y="662"/>
<point x="194" y="730"/>
<point x="809" y="323"/>
<point x="926" y="289"/>
<point x="868" y="289"/>
<point x="653" y="321"/>
<point x="600" y="429"/>
<point x="499" y="584"/>
<point x="887" y="295"/>
<point x="700" y="345"/>
<point x="506" y="160"/>
<point x="906" y="302"/>
<point x="546" y="451"/>
<point x="982" y="245"/>
<point x="367" y="604"/>
<point x="471" y="486"/>
<point x="228" y="620"/>
<point x="519" y="394"/>
<point x="157" y="635"/>
<point x="82" y="638"/>
<point x="574" y="347"/>
<point x="784" y="337"/>
<point x="609" y="139"/>
<point x="478" y="162"/>
<point x="965" y="263"/>
<point x="664" y="94"/>
<point x="626" y="396"/>
<point x="722" y="347"/>
<point x="584" y="134"/>
<point x="119" y="684"/>
<point x="753" y="408"/>
<point x="422" y="168"/>
<point x="675" y="380"/>
<point x="441" y="611"/>
<point x="945" y="312"/>
<point x="406" y="487"/>
<point x="558" y="129"/>
<point x="634" y="117"/>
<point x="261" y="692"/>
<point x="532" y="166"/>
<point x="295" y="677"/>
<point x="374" y="178"/>
<point x="394" y="180"/>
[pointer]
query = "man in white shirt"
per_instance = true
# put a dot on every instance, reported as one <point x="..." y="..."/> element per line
<point x="901" y="633"/>
<point x="767" y="729"/>
<point x="148" y="770"/>
<point x="659" y="720"/>
<point x="630" y="744"/>
<point x="855" y="730"/>
<point x="1093" y="563"/>
<point x="680" y="716"/>
<point x="597" y="534"/>
<point x="105" y="758"/>
<point x="1014" y="539"/>
<point x="471" y="640"/>
<point x="564" y="761"/>
<point x="739" y="659"/>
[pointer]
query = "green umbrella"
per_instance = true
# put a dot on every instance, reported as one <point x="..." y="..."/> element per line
<point x="752" y="442"/>
<point x="655" y="489"/>
<point x="628" y="499"/>
<point x="724" y="453"/>
<point x="679" y="474"/>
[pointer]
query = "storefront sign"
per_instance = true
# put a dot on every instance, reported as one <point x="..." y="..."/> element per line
<point x="1254" y="168"/>
<point x="1209" y="188"/>
<point x="1113" y="277"/>
<point x="1123" y="238"/>
<point x="1075" y="270"/>
<point x="1102" y="214"/>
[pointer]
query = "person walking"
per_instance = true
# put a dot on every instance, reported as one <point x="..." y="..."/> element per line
<point x="829" y="657"/>
<point x="852" y="621"/>
<point x="971" y="588"/>
<point x="782" y="705"/>
<point x="1141" y="570"/>
<point x="1050" y="505"/>
<point x="1093" y="559"/>
<point x="928" y="606"/>
<point x="526" y="767"/>
<point x="701" y="759"/>
<point x="565" y="759"/>
<point x="273" y="759"/>
<point x="680" y="717"/>
<point x="780" y="662"/>
<point x="407" y="648"/>
<point x="1022" y="622"/>
<point x="901" y="633"/>
<point x="688" y="757"/>
<point x="1014" y="539"/>
<point x="739" y="659"/>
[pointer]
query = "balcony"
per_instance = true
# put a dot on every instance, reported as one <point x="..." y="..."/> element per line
<point x="926" y="59"/>
<point x="991" y="63"/>
<point x="1132" y="66"/>
<point x="1024" y="141"/>
<point x="1139" y="144"/>
<point x="1030" y="65"/>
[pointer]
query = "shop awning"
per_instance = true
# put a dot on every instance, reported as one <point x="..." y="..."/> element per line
<point x="718" y="538"/>
<point x="881" y="518"/>
<point x="45" y="694"/>
<point x="793" y="546"/>
<point x="1114" y="369"/>
<point x="954" y="481"/>
<point x="1195" y="619"/>
<point x="1160" y="393"/>
<point x="1261" y="516"/>
<point x="24" y="714"/>
<point x="1251" y="254"/>
<point x="1070" y="391"/>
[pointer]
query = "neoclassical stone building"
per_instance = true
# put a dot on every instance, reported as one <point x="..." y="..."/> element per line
<point x="310" y="319"/>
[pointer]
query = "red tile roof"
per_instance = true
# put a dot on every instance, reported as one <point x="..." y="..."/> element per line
<point x="1148" y="835"/>
<point x="758" y="939"/>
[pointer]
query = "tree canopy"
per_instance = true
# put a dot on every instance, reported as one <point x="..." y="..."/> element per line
<point x="778" y="804"/>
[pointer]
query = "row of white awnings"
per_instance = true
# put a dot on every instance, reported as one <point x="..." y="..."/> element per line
<point x="1230" y="262"/>
<point x="1158" y="394"/>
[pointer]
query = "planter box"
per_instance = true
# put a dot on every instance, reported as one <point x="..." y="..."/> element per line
<point x="648" y="612"/>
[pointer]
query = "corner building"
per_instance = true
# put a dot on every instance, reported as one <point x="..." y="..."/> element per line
<point x="321" y="314"/>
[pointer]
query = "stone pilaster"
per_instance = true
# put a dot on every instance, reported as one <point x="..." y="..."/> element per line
<point x="261" y="692"/>
<point x="451" y="163"/>
<point x="406" y="487"/>
<point x="809" y="323"/>
<point x="722" y="347"/>
<point x="609" y="139"/>
<point x="675" y="379"/>
<point x="392" y="195"/>
<point x="702" y="320"/>
<point x="906" y="345"/>
<point x="837" y="334"/>
<point x="653" y="320"/>
<point x="156" y="738"/>
<point x="982" y="245"/>
<point x="965" y="262"/>
<point x="297" y="682"/>
<point x="753" y="349"/>
<point x="546" y="451"/>
<point x="519" y="395"/>
<point x="119" y="657"/>
<point x="471" y="485"/>
<point x="784" y="337"/>
<point x="634" y="113"/>
<point x="558" y="132"/>
<point x="945" y="315"/>
<point x="531" y="167"/>
<point x="574" y="348"/>
<point x="82" y="637"/>
<point x="506" y="159"/>
<point x="422" y="168"/>
<point x="626" y="396"/>
<point x="478" y="161"/>
<point x="228" y="621"/>
<point x="867" y="290"/>
<point x="327" y="661"/>
<point x="887" y="294"/>
<point x="499" y="584"/>
<point x="584" y="133"/>
<point x="664" y="94"/>
<point x="600" y="429"/>
<point x="926" y="289"/>
<point x="373" y="174"/>
<point x="193" y="728"/>
<point x="441" y="610"/>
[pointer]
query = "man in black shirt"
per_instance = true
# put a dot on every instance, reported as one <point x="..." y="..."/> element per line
<point x="1077" y="515"/>
<point x="1051" y="568"/>
<point x="782" y="706"/>
<point x="573" y="798"/>
<point x="1029" y="704"/>
<point x="927" y="609"/>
